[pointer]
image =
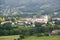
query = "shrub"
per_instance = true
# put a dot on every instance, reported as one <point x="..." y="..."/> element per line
<point x="39" y="34"/>
<point x="46" y="34"/>
<point x="19" y="39"/>
<point x="22" y="36"/>
<point x="14" y="39"/>
<point x="58" y="33"/>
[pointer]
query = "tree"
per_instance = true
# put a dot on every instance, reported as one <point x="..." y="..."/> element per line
<point x="1" y="20"/>
<point x="49" y="27"/>
<point x="38" y="27"/>
<point x="7" y="26"/>
<point x="57" y="22"/>
<point x="37" y="24"/>
<point x="13" y="19"/>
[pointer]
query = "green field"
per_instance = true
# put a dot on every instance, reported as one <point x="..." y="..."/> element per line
<point x="30" y="38"/>
<point x="9" y="37"/>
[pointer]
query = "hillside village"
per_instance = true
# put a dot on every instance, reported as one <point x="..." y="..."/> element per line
<point x="44" y="19"/>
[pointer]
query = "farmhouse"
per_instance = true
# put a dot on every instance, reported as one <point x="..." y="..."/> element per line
<point x="54" y="32"/>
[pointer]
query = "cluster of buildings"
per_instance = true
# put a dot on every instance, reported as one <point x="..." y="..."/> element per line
<point x="43" y="19"/>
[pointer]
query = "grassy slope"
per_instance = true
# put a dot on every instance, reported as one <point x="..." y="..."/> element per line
<point x="43" y="38"/>
<point x="8" y="37"/>
<point x="30" y="38"/>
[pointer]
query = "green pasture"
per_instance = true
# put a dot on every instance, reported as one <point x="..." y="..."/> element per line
<point x="30" y="37"/>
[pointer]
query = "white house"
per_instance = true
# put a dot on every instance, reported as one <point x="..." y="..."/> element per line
<point x="43" y="19"/>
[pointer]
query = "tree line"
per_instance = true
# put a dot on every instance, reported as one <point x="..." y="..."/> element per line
<point x="7" y="29"/>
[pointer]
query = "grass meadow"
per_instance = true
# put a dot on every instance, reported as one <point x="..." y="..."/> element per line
<point x="30" y="37"/>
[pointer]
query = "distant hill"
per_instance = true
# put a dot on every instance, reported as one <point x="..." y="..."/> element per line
<point x="34" y="6"/>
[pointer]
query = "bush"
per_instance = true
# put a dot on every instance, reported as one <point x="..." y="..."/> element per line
<point x="46" y="34"/>
<point x="19" y="39"/>
<point x="14" y="39"/>
<point x="22" y="37"/>
<point x="39" y="34"/>
<point x="58" y="33"/>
